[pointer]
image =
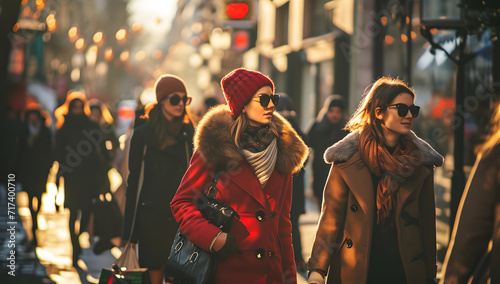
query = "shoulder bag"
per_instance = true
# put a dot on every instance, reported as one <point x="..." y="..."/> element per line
<point x="187" y="263"/>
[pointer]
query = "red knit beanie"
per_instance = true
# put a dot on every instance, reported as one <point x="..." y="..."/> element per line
<point x="240" y="85"/>
<point x="167" y="84"/>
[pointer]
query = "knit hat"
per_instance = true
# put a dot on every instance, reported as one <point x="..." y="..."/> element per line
<point x="240" y="85"/>
<point x="336" y="101"/>
<point x="167" y="84"/>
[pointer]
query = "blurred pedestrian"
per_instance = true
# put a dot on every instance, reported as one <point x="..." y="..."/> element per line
<point x="378" y="222"/>
<point x="478" y="218"/>
<point x="79" y="150"/>
<point x="100" y="114"/>
<point x="286" y="109"/>
<point x="325" y="131"/>
<point x="257" y="151"/>
<point x="36" y="161"/>
<point x="167" y="139"/>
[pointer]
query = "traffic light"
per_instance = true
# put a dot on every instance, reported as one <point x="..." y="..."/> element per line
<point x="238" y="10"/>
<point x="240" y="18"/>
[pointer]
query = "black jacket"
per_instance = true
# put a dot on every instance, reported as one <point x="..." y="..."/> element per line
<point x="163" y="171"/>
<point x="80" y="150"/>
<point x="36" y="160"/>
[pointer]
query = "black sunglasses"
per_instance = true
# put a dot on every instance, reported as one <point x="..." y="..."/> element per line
<point x="175" y="99"/>
<point x="403" y="109"/>
<point x="265" y="99"/>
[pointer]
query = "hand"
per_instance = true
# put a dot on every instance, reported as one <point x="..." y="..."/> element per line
<point x="229" y="247"/>
<point x="219" y="242"/>
<point x="316" y="278"/>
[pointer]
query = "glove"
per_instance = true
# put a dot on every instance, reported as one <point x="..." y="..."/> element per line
<point x="316" y="278"/>
<point x="230" y="247"/>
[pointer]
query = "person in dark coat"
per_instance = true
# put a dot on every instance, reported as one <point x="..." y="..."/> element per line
<point x="326" y="131"/>
<point x="257" y="151"/>
<point x="100" y="114"/>
<point x="79" y="150"/>
<point x="167" y="139"/>
<point x="37" y="158"/>
<point x="477" y="224"/>
<point x="285" y="108"/>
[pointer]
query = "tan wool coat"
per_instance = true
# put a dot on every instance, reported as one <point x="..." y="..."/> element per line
<point x="477" y="223"/>
<point x="342" y="244"/>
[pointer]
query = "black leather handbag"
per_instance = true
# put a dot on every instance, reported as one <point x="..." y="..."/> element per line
<point x="189" y="264"/>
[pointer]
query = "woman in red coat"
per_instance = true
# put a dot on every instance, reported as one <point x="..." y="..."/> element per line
<point x="258" y="151"/>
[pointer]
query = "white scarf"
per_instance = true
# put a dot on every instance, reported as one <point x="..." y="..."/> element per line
<point x="263" y="162"/>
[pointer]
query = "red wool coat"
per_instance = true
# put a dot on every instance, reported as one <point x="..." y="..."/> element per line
<point x="263" y="232"/>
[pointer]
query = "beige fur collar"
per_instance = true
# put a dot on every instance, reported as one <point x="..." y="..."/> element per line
<point x="214" y="142"/>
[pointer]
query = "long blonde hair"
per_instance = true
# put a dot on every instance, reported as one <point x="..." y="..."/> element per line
<point x="377" y="95"/>
<point x="239" y="125"/>
<point x="493" y="137"/>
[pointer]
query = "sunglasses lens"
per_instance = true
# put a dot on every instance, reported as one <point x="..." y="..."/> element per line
<point x="186" y="100"/>
<point x="275" y="99"/>
<point x="402" y="110"/>
<point x="264" y="100"/>
<point x="175" y="99"/>
<point x="414" y="111"/>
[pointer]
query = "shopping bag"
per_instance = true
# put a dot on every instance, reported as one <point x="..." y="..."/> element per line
<point x="112" y="276"/>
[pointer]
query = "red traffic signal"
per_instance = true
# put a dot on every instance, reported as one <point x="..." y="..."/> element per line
<point x="126" y="112"/>
<point x="237" y="11"/>
<point x="241" y="40"/>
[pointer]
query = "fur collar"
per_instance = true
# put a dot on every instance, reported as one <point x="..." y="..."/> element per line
<point x="214" y="142"/>
<point x="347" y="147"/>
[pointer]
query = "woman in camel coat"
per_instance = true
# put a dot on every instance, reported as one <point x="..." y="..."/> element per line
<point x="377" y="223"/>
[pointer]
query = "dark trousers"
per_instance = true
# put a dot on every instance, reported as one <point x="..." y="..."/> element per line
<point x="296" y="240"/>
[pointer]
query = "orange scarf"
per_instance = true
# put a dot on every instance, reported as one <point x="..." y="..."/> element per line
<point x="393" y="168"/>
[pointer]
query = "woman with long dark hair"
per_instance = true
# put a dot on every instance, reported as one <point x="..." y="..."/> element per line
<point x="164" y="145"/>
<point x="378" y="223"/>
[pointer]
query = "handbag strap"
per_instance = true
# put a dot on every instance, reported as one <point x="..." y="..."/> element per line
<point x="212" y="190"/>
<point x="139" y="188"/>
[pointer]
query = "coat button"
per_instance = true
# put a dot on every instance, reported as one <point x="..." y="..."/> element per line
<point x="354" y="208"/>
<point x="272" y="215"/>
<point x="270" y="253"/>
<point x="259" y="253"/>
<point x="348" y="243"/>
<point x="260" y="215"/>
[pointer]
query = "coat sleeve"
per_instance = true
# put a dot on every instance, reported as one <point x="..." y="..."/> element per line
<point x="60" y="151"/>
<point x="285" y="233"/>
<point x="473" y="225"/>
<point x="331" y="223"/>
<point x="135" y="157"/>
<point x="427" y="208"/>
<point x="196" y="179"/>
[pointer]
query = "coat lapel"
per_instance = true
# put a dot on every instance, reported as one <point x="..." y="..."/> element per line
<point x="412" y="184"/>
<point x="244" y="178"/>
<point x="359" y="180"/>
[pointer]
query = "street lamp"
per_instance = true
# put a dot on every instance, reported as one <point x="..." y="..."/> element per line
<point x="446" y="14"/>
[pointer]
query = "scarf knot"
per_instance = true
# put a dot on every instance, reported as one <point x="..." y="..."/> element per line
<point x="393" y="169"/>
<point x="256" y="138"/>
